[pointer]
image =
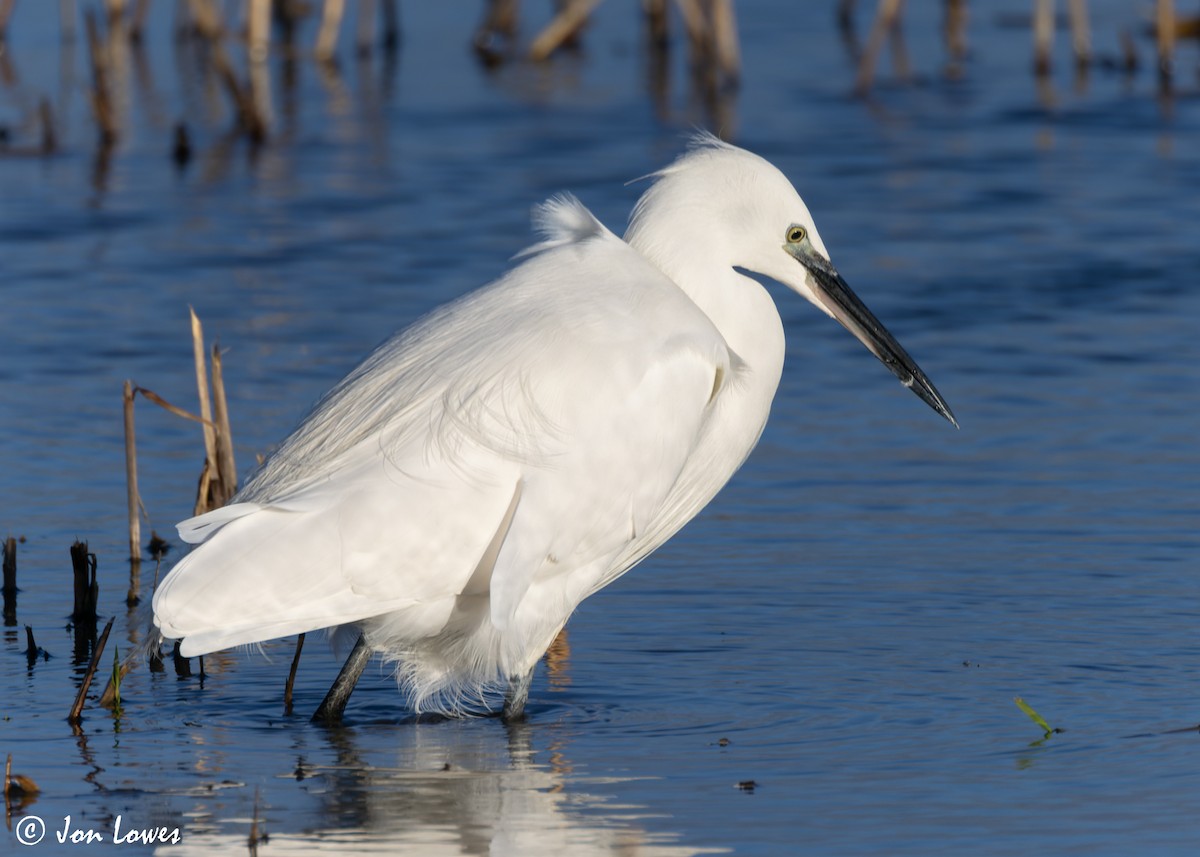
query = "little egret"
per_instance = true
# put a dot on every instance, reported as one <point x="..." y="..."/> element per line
<point x="457" y="495"/>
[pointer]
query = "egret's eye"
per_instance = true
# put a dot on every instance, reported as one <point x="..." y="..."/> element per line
<point x="795" y="234"/>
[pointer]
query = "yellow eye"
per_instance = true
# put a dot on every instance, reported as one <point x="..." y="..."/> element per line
<point x="795" y="234"/>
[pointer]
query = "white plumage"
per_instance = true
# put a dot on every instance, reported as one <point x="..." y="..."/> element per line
<point x="482" y="472"/>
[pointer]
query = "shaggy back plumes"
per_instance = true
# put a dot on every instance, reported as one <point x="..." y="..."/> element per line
<point x="445" y="363"/>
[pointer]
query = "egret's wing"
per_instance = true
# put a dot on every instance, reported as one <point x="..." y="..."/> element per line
<point x="632" y="418"/>
<point x="376" y="539"/>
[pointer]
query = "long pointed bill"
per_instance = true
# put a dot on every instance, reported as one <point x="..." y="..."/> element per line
<point x="836" y="296"/>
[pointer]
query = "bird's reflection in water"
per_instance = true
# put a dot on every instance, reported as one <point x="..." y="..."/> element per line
<point x="457" y="788"/>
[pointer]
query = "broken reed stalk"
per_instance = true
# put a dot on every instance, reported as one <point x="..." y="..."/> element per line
<point x="1164" y="25"/>
<point x="77" y="709"/>
<point x="657" y="23"/>
<point x="1043" y="35"/>
<point x="887" y="18"/>
<point x="565" y="27"/>
<point x="133" y="498"/>
<point x="10" y="581"/>
<point x="205" y="18"/>
<point x="331" y="22"/>
<point x="258" y="29"/>
<point x="226" y="465"/>
<point x="496" y="32"/>
<point x="291" y="679"/>
<point x="114" y="9"/>
<point x="218" y="480"/>
<point x="955" y="30"/>
<point x="1081" y="35"/>
<point x="210" y="476"/>
<point x="31" y="646"/>
<point x="725" y="37"/>
<point x="696" y="27"/>
<point x="101" y="100"/>
<point x="87" y="590"/>
<point x="210" y="443"/>
<point x="210" y="435"/>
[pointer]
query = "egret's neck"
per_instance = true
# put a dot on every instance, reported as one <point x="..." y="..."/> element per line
<point x="739" y="307"/>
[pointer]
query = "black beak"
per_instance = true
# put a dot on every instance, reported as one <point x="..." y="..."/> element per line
<point x="837" y="297"/>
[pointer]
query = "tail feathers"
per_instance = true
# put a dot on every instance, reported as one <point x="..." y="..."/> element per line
<point x="562" y="220"/>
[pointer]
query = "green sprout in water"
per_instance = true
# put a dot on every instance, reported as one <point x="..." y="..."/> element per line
<point x="1035" y="717"/>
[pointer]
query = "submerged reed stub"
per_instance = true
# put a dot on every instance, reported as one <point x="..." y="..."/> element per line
<point x="87" y="589"/>
<point x="10" y="581"/>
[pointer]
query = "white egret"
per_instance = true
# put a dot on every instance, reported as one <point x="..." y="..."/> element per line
<point x="458" y="494"/>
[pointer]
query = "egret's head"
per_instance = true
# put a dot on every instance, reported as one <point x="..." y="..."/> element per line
<point x="748" y="216"/>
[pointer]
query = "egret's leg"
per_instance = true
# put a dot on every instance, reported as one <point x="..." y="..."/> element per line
<point x="334" y="703"/>
<point x="515" y="697"/>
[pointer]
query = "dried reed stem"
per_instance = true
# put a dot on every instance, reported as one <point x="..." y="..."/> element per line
<point x="10" y="568"/>
<point x="956" y="29"/>
<point x="564" y="27"/>
<point x="167" y="406"/>
<point x="497" y="31"/>
<point x="258" y="29"/>
<point x="133" y="499"/>
<point x="10" y="582"/>
<point x="887" y="18"/>
<point x="205" y="18"/>
<point x="210" y="435"/>
<point x="77" y="709"/>
<point x="87" y="589"/>
<point x="1043" y="35"/>
<point x="226" y="466"/>
<point x="1164" y="25"/>
<point x="725" y="36"/>
<point x="331" y="22"/>
<point x="31" y="646"/>
<point x="101" y="100"/>
<point x="695" y="25"/>
<point x="658" y="25"/>
<point x="1081" y="34"/>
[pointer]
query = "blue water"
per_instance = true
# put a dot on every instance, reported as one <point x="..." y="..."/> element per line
<point x="855" y="612"/>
